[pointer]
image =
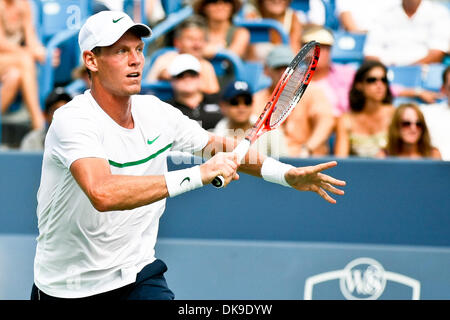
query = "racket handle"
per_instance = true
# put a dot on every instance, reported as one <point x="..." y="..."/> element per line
<point x="241" y="150"/>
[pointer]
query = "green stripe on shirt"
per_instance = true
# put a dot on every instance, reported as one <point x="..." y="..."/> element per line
<point x="138" y="162"/>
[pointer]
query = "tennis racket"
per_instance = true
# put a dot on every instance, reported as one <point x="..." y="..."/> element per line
<point x="284" y="98"/>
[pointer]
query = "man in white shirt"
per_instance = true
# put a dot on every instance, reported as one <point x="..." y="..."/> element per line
<point x="414" y="32"/>
<point x="104" y="175"/>
<point x="437" y="117"/>
<point x="359" y="16"/>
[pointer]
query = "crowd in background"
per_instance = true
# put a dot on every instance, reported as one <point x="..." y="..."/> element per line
<point x="347" y="110"/>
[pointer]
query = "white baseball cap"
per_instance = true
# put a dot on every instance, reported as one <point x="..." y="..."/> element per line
<point x="106" y="27"/>
<point x="184" y="62"/>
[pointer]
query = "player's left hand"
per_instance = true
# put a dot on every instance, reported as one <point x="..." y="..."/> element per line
<point x="311" y="179"/>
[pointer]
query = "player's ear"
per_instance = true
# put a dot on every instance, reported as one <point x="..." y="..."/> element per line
<point x="90" y="61"/>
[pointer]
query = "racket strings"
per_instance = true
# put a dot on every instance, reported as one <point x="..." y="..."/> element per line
<point x="291" y="93"/>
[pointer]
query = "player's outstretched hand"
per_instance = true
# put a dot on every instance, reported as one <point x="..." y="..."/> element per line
<point x="311" y="179"/>
<point x="222" y="164"/>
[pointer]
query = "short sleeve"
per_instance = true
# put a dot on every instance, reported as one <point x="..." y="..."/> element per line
<point x="188" y="135"/>
<point x="73" y="136"/>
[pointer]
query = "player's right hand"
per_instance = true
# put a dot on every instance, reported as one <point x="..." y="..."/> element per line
<point x="223" y="164"/>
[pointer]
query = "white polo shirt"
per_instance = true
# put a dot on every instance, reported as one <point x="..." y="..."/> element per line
<point x="81" y="251"/>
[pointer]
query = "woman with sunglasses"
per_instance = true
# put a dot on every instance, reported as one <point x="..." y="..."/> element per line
<point x="363" y="130"/>
<point x="408" y="135"/>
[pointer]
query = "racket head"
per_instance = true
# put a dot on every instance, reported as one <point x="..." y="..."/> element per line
<point x="288" y="91"/>
<point x="294" y="82"/>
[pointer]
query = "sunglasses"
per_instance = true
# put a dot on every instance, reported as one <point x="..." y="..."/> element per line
<point x="236" y="101"/>
<point x="407" y="124"/>
<point x="375" y="79"/>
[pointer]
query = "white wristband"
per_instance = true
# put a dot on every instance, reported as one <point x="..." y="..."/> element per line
<point x="181" y="181"/>
<point x="273" y="171"/>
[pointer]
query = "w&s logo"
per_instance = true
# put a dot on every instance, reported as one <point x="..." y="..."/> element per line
<point x="362" y="279"/>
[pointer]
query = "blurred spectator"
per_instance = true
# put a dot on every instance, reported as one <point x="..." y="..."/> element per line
<point x="315" y="16"/>
<point x="81" y="73"/>
<point x="81" y="81"/>
<point x="408" y="135"/>
<point x="20" y="49"/>
<point x="280" y="11"/>
<point x="363" y="130"/>
<point x="154" y="12"/>
<point x="413" y="32"/>
<point x="438" y="118"/>
<point x="335" y="79"/>
<point x="236" y="106"/>
<point x="309" y="126"/>
<point x="34" y="140"/>
<point x="187" y="93"/>
<point x="359" y="16"/>
<point x="222" y="33"/>
<point x="190" y="37"/>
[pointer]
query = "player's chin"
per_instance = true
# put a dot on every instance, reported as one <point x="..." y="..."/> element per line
<point x="134" y="89"/>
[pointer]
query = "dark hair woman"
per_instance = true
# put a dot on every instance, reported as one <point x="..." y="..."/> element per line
<point x="363" y="130"/>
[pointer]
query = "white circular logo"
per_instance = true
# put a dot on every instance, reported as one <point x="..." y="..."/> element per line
<point x="364" y="279"/>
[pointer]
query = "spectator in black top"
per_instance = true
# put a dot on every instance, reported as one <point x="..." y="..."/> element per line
<point x="187" y="95"/>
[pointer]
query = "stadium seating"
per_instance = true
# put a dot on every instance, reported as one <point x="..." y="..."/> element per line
<point x="169" y="24"/>
<point x="432" y="76"/>
<point x="59" y="27"/>
<point x="348" y="47"/>
<point x="171" y="6"/>
<point x="75" y="87"/>
<point x="161" y="89"/>
<point x="67" y="42"/>
<point x="225" y="59"/>
<point x="152" y="58"/>
<point x="331" y="20"/>
<point x="253" y="74"/>
<point x="407" y="76"/>
<point x="0" y="116"/>
<point x="129" y="6"/>
<point x="300" y="5"/>
<point x="36" y="10"/>
<point x="56" y="15"/>
<point x="259" y="29"/>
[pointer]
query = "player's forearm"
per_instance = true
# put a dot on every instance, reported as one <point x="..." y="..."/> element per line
<point x="252" y="163"/>
<point x="119" y="192"/>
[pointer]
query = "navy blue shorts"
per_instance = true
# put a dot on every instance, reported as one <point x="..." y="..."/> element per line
<point x="150" y="285"/>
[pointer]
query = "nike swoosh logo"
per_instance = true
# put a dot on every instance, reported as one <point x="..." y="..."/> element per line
<point x="151" y="141"/>
<point x="185" y="179"/>
<point x="117" y="20"/>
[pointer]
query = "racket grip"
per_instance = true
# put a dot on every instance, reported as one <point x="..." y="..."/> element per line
<point x="241" y="150"/>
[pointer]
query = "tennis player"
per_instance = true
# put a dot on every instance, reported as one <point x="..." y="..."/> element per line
<point x="105" y="180"/>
